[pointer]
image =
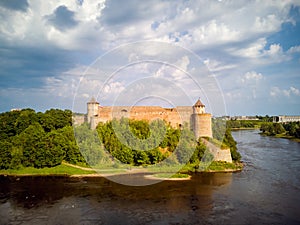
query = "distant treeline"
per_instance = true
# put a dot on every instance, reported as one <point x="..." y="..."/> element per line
<point x="265" y="124"/>
<point x="236" y="124"/>
<point x="291" y="129"/>
<point x="36" y="139"/>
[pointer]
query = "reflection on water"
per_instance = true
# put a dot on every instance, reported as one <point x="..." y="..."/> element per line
<point x="267" y="191"/>
<point x="64" y="200"/>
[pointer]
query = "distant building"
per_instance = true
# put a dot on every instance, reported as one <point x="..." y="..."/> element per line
<point x="244" y="118"/>
<point x="285" y="119"/>
<point x="15" y="110"/>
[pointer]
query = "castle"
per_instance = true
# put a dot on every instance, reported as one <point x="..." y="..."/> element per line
<point x="194" y="116"/>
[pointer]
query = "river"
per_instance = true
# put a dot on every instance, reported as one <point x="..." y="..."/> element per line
<point x="267" y="191"/>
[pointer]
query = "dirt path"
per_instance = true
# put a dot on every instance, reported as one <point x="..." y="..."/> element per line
<point x="78" y="167"/>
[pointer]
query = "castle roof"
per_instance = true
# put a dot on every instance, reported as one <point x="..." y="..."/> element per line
<point x="199" y="103"/>
<point x="93" y="100"/>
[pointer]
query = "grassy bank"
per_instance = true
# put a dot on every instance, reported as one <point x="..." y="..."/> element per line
<point x="215" y="166"/>
<point x="246" y="128"/>
<point x="168" y="175"/>
<point x="57" y="170"/>
<point x="218" y="166"/>
<point x="281" y="136"/>
<point x="69" y="170"/>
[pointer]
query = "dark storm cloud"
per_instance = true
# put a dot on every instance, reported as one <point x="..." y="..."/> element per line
<point x="27" y="67"/>
<point x="62" y="18"/>
<point x="18" y="5"/>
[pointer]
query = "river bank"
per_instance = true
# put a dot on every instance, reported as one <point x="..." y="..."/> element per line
<point x="265" y="192"/>
<point x="289" y="137"/>
<point x="67" y="169"/>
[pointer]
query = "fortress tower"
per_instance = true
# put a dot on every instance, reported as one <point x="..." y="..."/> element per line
<point x="92" y="110"/>
<point x="201" y="121"/>
<point x="195" y="116"/>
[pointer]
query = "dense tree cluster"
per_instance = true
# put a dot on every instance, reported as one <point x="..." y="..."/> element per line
<point x="140" y="143"/>
<point x="35" y="139"/>
<point x="242" y="124"/>
<point x="290" y="129"/>
<point x="38" y="139"/>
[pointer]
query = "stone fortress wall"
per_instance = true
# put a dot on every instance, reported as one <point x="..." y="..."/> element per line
<point x="194" y="116"/>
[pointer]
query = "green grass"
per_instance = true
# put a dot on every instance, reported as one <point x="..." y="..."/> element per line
<point x="165" y="168"/>
<point x="217" y="143"/>
<point x="168" y="175"/>
<point x="223" y="166"/>
<point x="57" y="170"/>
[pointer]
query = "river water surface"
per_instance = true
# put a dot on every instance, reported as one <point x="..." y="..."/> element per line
<point x="267" y="191"/>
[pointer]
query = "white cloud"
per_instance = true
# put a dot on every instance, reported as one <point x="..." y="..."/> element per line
<point x="259" y="54"/>
<point x="294" y="49"/>
<point x="217" y="66"/>
<point x="295" y="91"/>
<point x="292" y="91"/>
<point x="267" y="24"/>
<point x="252" y="76"/>
<point x="113" y="88"/>
<point x="253" y="50"/>
<point x="232" y="37"/>
<point x="196" y="24"/>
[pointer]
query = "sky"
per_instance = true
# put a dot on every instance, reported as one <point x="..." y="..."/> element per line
<point x="239" y="57"/>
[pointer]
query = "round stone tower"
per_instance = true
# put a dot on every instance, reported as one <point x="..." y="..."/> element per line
<point x="92" y="109"/>
<point x="201" y="121"/>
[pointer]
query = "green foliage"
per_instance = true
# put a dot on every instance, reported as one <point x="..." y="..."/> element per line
<point x="57" y="170"/>
<point x="161" y="141"/>
<point x="229" y="141"/>
<point x="5" y="154"/>
<point x="293" y="129"/>
<point x="290" y="130"/>
<point x="171" y="175"/>
<point x="7" y="124"/>
<point x="40" y="140"/>
<point x="222" y="133"/>
<point x="236" y="124"/>
<point x="25" y="119"/>
<point x="221" y="166"/>
<point x="55" y="118"/>
<point x="272" y="128"/>
<point x="72" y="152"/>
<point x="265" y="118"/>
<point x="90" y="147"/>
<point x="30" y="139"/>
<point x="28" y="143"/>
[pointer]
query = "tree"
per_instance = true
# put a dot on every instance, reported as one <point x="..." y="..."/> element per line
<point x="51" y="150"/>
<point x="278" y="128"/>
<point x="5" y="154"/>
<point x="155" y="156"/>
<point x="72" y="153"/>
<point x="90" y="146"/>
<point x="55" y="119"/>
<point x="7" y="124"/>
<point x="25" y="118"/>
<point x="140" y="158"/>
<point x="231" y="143"/>
<point x="198" y="153"/>
<point x="29" y="143"/>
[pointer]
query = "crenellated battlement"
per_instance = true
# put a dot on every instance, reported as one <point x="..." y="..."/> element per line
<point x="194" y="116"/>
